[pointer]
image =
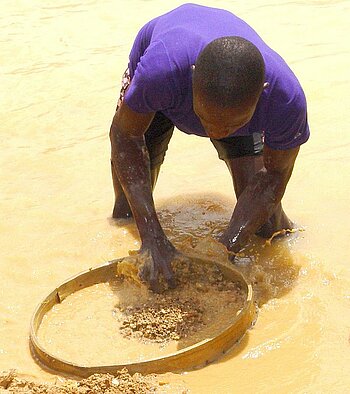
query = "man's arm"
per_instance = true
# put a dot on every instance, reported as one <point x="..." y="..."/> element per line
<point x="260" y="198"/>
<point x="131" y="165"/>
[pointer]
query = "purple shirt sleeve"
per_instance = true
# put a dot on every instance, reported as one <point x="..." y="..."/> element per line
<point x="152" y="87"/>
<point x="287" y="125"/>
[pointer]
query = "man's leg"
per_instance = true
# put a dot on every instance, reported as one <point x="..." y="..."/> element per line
<point x="157" y="139"/>
<point x="243" y="157"/>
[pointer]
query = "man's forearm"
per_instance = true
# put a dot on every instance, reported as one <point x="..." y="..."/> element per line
<point x="130" y="161"/>
<point x="254" y="207"/>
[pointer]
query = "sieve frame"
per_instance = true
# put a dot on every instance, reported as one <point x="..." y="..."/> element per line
<point x="195" y="356"/>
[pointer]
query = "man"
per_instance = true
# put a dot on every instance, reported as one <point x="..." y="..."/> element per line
<point x="208" y="73"/>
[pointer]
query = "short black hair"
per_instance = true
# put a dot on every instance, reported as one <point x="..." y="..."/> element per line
<point x="229" y="71"/>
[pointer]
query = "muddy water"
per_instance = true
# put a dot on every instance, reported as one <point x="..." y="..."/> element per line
<point x="91" y="311"/>
<point x="61" y="65"/>
<point x="101" y="311"/>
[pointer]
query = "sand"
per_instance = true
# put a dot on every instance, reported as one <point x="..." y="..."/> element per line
<point x="179" y="313"/>
<point x="120" y="383"/>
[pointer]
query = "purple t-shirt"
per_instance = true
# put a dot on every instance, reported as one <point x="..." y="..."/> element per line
<point x="161" y="75"/>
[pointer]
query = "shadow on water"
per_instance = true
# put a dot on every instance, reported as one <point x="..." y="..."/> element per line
<point x="187" y="220"/>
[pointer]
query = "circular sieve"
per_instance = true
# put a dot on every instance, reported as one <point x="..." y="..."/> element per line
<point x="193" y="356"/>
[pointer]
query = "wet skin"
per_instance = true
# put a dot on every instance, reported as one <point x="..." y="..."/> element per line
<point x="259" y="184"/>
<point x="131" y="169"/>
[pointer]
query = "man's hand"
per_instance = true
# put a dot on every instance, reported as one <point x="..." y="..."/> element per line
<point x="260" y="199"/>
<point x="157" y="260"/>
<point x="236" y="243"/>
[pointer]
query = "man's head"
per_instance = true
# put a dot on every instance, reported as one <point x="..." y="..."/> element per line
<point x="228" y="79"/>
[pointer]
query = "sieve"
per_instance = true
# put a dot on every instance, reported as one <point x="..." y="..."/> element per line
<point x="194" y="356"/>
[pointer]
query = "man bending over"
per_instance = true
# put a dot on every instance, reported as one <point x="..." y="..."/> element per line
<point x="208" y="73"/>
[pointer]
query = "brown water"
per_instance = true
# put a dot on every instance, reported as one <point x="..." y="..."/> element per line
<point x="85" y="327"/>
<point x="61" y="66"/>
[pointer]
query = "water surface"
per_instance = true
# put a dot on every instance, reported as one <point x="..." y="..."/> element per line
<point x="61" y="66"/>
